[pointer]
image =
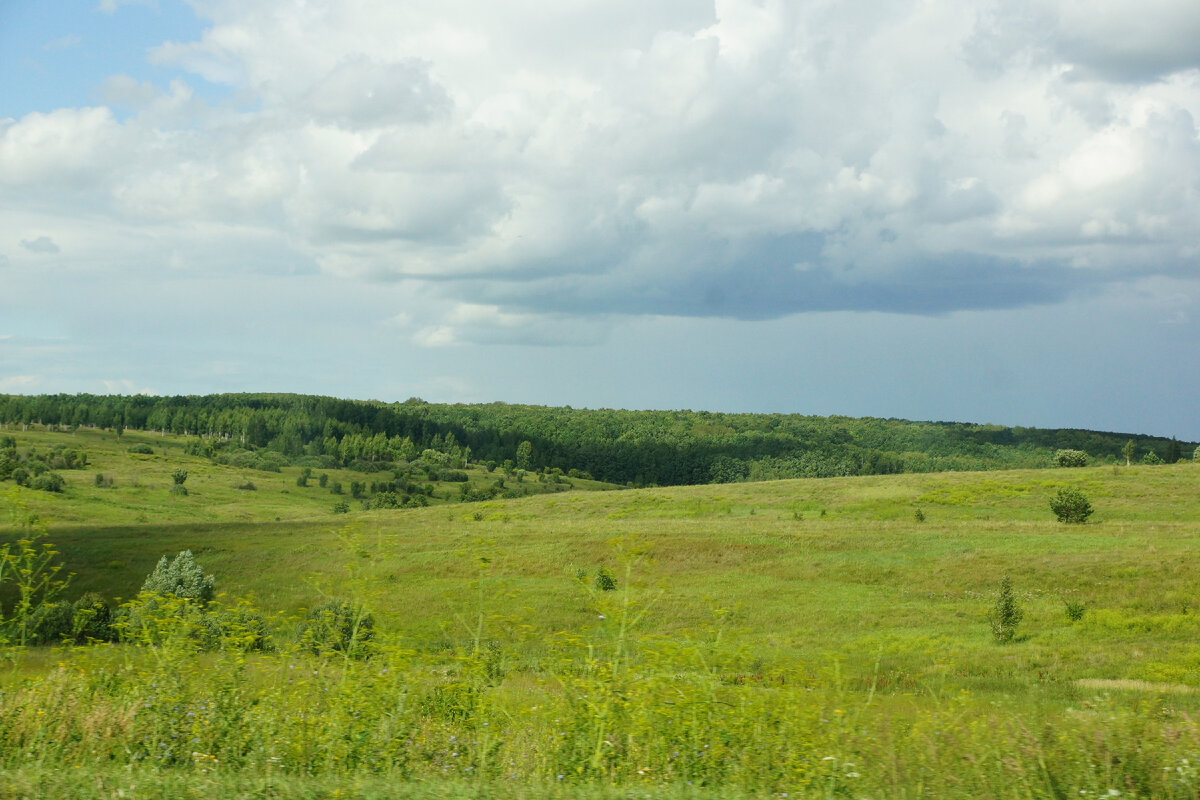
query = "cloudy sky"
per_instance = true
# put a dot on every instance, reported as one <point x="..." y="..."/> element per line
<point x="932" y="209"/>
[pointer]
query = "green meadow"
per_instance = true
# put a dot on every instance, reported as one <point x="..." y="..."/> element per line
<point x="802" y="638"/>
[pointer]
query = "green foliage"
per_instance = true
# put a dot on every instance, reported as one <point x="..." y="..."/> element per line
<point x="48" y="482"/>
<point x="322" y="480"/>
<point x="102" y="481"/>
<point x="178" y="490"/>
<point x="337" y="626"/>
<point x="247" y="486"/>
<point x="1128" y="450"/>
<point x="181" y="577"/>
<point x="605" y="581"/>
<point x="31" y="566"/>
<point x="1071" y="505"/>
<point x="525" y="455"/>
<point x="1075" y="609"/>
<point x="1070" y="458"/>
<point x="50" y="623"/>
<point x="335" y="487"/>
<point x="918" y="515"/>
<point x="341" y="507"/>
<point x="91" y="619"/>
<point x="305" y="474"/>
<point x="178" y="476"/>
<point x="1152" y="458"/>
<point x="1006" y="614"/>
<point x="141" y="449"/>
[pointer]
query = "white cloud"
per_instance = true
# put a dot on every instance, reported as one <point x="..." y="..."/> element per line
<point x="612" y="158"/>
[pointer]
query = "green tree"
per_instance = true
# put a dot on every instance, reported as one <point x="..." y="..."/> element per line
<point x="179" y="476"/>
<point x="1006" y="614"/>
<point x="1128" y="450"/>
<point x="181" y="577"/>
<point x="1173" y="451"/>
<point x="525" y="455"/>
<point x="1071" y="506"/>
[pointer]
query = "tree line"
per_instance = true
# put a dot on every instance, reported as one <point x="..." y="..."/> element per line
<point x="620" y="446"/>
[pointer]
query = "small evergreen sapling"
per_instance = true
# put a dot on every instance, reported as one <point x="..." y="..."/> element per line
<point x="1005" y="615"/>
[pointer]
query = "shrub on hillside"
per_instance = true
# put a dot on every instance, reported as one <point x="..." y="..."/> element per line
<point x="1071" y="506"/>
<point x="1152" y="458"/>
<point x="50" y="623"/>
<point x="337" y="626"/>
<point x="48" y="482"/>
<point x="142" y="449"/>
<point x="91" y="619"/>
<point x="1070" y="458"/>
<point x="181" y="577"/>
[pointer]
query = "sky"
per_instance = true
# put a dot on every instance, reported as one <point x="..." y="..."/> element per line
<point x="971" y="211"/>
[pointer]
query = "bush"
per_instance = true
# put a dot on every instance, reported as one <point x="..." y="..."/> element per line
<point x="48" y="482"/>
<point x="1005" y="615"/>
<point x="179" y="490"/>
<point x="1152" y="458"/>
<point x="179" y="476"/>
<point x="20" y="476"/>
<point x="50" y="623"/>
<point x="103" y="481"/>
<point x="341" y="507"/>
<point x="605" y="581"/>
<point x="1070" y="458"/>
<point x="181" y="577"/>
<point x="337" y="626"/>
<point x="1075" y="609"/>
<point x="1071" y="506"/>
<point x="248" y="486"/>
<point x="92" y="619"/>
<point x="142" y="449"/>
<point x="454" y="476"/>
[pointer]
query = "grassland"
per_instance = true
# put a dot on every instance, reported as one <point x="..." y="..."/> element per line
<point x="809" y="637"/>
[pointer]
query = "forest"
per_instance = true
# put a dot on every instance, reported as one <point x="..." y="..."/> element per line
<point x="635" y="448"/>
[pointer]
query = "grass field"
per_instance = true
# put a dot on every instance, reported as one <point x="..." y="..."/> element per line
<point x="809" y="637"/>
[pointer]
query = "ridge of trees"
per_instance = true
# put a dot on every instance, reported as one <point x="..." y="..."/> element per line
<point x="620" y="446"/>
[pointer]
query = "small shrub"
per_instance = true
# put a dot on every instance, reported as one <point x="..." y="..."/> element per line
<point x="248" y="486"/>
<point x="142" y="449"/>
<point x="605" y="581"/>
<point x="322" y="480"/>
<point x="179" y="476"/>
<point x="1152" y="458"/>
<point x="335" y="487"/>
<point x="103" y="481"/>
<point x="918" y="515"/>
<point x="1075" y="609"/>
<point x="92" y="619"/>
<point x="20" y="476"/>
<point x="1070" y="458"/>
<point x="337" y="626"/>
<point x="179" y="490"/>
<point x="50" y="623"/>
<point x="1071" y="506"/>
<point x="1005" y="615"/>
<point x="341" y="507"/>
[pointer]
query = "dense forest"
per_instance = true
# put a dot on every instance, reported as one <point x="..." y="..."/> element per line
<point x="629" y="447"/>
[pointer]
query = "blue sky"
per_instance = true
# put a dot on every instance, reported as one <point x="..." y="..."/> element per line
<point x="978" y="211"/>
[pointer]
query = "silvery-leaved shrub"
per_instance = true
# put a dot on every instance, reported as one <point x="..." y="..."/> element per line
<point x="181" y="577"/>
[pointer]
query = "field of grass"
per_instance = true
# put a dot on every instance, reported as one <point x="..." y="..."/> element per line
<point x="809" y="637"/>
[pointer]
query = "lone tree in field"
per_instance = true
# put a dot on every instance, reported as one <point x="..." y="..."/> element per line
<point x="1071" y="506"/>
<point x="1128" y="451"/>
<point x="181" y="577"/>
<point x="1006" y="615"/>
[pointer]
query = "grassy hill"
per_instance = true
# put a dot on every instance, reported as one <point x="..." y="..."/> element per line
<point x="813" y="634"/>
